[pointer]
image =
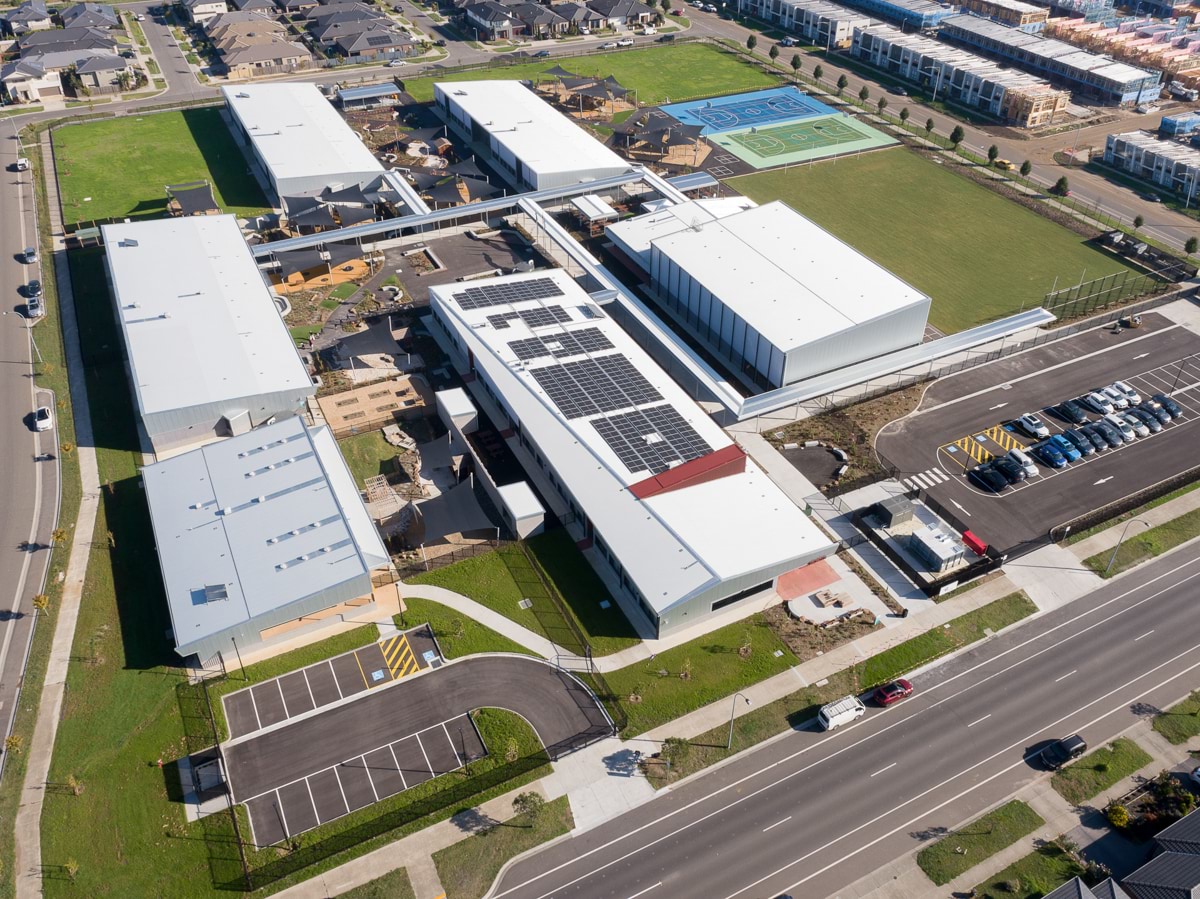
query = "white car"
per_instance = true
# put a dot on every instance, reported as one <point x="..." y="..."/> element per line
<point x="1022" y="459"/>
<point x="1097" y="402"/>
<point x="609" y="45"/>
<point x="1032" y="425"/>
<point x="625" y="42"/>
<point x="396" y="63"/>
<point x="43" y="418"/>
<point x="1139" y="426"/>
<point x="1117" y="420"/>
<point x="1128" y="392"/>
<point x="1118" y="399"/>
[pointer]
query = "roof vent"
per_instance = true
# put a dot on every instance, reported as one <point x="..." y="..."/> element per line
<point x="227" y="511"/>
<point x="281" y="566"/>
<point x="326" y="549"/>
<point x="272" y="540"/>
<point x="294" y="533"/>
<point x="260" y="499"/>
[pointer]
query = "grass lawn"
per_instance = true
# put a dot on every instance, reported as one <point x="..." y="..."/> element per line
<point x="468" y="868"/>
<point x="343" y="291"/>
<point x="301" y="333"/>
<point x="448" y="625"/>
<point x="979" y="255"/>
<point x="1075" y="537"/>
<point x="394" y="885"/>
<point x="1139" y="547"/>
<point x="981" y="839"/>
<point x="486" y="580"/>
<point x="1180" y="722"/>
<point x="1045" y="869"/>
<point x="155" y="150"/>
<point x="368" y="455"/>
<point x="656" y="73"/>
<point x="1099" y="770"/>
<point x="717" y="671"/>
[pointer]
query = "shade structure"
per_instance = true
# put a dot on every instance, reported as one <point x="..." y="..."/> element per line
<point x="194" y="199"/>
<point x="293" y="261"/>
<point x="467" y="169"/>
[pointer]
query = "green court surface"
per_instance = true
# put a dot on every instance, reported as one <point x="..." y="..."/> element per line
<point x="802" y="141"/>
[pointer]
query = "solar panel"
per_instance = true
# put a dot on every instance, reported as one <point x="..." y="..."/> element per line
<point x="651" y="439"/>
<point x="567" y="343"/>
<point x="541" y="317"/>
<point x="508" y="292"/>
<point x="589" y="386"/>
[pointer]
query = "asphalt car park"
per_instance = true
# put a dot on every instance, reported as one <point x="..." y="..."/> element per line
<point x="962" y="425"/>
<point x="321" y="766"/>
<point x="322" y="683"/>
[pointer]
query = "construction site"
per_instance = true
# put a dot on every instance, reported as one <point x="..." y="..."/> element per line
<point x="1171" y="46"/>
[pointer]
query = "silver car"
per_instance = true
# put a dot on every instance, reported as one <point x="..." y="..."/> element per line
<point x="1114" y="396"/>
<point x="1139" y="426"/>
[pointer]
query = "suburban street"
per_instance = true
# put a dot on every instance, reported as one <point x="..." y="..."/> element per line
<point x="809" y="814"/>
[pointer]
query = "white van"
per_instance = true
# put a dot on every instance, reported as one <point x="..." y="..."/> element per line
<point x="841" y="711"/>
<point x="649" y="29"/>
<point x="1022" y="459"/>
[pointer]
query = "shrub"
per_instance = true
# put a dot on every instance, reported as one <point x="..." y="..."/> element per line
<point x="1118" y="816"/>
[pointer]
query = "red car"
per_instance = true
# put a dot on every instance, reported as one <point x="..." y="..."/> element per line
<point x="893" y="692"/>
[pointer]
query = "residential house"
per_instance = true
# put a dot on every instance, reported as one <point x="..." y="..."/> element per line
<point x="623" y="13"/>
<point x="541" y="21"/>
<point x="374" y="43"/>
<point x="104" y="74"/>
<point x="27" y="81"/>
<point x="39" y="75"/>
<point x="200" y="11"/>
<point x="89" y="15"/>
<point x="296" y="7"/>
<point x="266" y="58"/>
<point x="267" y="7"/>
<point x="492" y="22"/>
<point x="347" y="12"/>
<point x="580" y="18"/>
<point x="32" y="15"/>
<point x="328" y="34"/>
<point x="37" y="42"/>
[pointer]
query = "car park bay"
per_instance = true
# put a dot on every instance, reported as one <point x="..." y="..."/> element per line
<point x="960" y="426"/>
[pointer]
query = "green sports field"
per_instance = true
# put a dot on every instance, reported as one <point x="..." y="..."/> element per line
<point x="123" y="164"/>
<point x="656" y="73"/>
<point x="978" y="255"/>
<point x="802" y="141"/>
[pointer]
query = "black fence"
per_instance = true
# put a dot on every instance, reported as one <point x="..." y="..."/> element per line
<point x="1089" y="297"/>
<point x="411" y="563"/>
<point x="1124" y="505"/>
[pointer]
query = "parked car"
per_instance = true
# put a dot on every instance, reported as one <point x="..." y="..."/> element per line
<point x="1115" y="420"/>
<point x="542" y="54"/>
<point x="893" y="692"/>
<point x="677" y="12"/>
<point x="1112" y="435"/>
<point x="1049" y="455"/>
<point x="1066" y="447"/>
<point x="649" y="29"/>
<point x="1169" y="404"/>
<point x="1114" y="396"/>
<point x="1062" y="751"/>
<point x="609" y="45"/>
<point x="788" y="42"/>
<point x="440" y="42"/>
<point x="1157" y="410"/>
<point x="625" y="42"/>
<point x="43" y="418"/>
<point x="33" y="288"/>
<point x="30" y="255"/>
<point x="34" y="308"/>
<point x="898" y="91"/>
<point x="1149" y="419"/>
<point x="396" y="63"/>
<point x="1097" y="402"/>
<point x="842" y="711"/>
<point x="988" y="478"/>
<point x="665" y="38"/>
<point x="1011" y="470"/>
<point x="1032" y="425"/>
<point x="1020" y="457"/>
<point x="1128" y="392"/>
<point x="1139" y="427"/>
<point x="22" y="164"/>
<point x="1072" y="412"/>
<point x="708" y="7"/>
<point x="1080" y="441"/>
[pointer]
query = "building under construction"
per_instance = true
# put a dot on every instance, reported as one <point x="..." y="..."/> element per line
<point x="1016" y="97"/>
<point x="1167" y="163"/>
<point x="1171" y="45"/>
<point x="1014" y="13"/>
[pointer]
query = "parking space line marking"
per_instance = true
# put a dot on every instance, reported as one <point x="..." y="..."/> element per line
<point x="308" y="787"/>
<point x="645" y="891"/>
<point x="304" y="671"/>
<point x="287" y="831"/>
<point x="341" y="695"/>
<point x="784" y="821"/>
<point x="341" y="789"/>
<point x="283" y="699"/>
<point x="981" y="720"/>
<point x="253" y="703"/>
<point x="1065" y="676"/>
<point x="426" y="754"/>
<point x="392" y="750"/>
<point x="450" y="740"/>
<point x="891" y="766"/>
<point x="1147" y="634"/>
<point x="370" y="779"/>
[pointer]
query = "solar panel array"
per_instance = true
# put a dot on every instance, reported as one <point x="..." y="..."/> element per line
<point x="568" y="343"/>
<point x="651" y="439"/>
<point x="508" y="292"/>
<point x="591" y="386"/>
<point x="540" y="317"/>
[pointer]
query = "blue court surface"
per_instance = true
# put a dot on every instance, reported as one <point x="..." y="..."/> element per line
<point x="740" y="111"/>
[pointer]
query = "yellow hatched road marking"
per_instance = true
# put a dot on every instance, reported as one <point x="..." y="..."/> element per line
<point x="400" y="658"/>
<point x="1004" y="439"/>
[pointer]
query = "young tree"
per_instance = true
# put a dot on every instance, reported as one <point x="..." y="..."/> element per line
<point x="1026" y="168"/>
<point x="666" y="6"/>
<point x="773" y="52"/>
<point x="881" y="103"/>
<point x="1191" y="246"/>
<point x="817" y="73"/>
<point x="675" y="750"/>
<point x="864" y="93"/>
<point x="929" y="126"/>
<point x="1138" y="221"/>
<point x="41" y="602"/>
<point x="751" y="43"/>
<point x="993" y="154"/>
<point x="841" y="84"/>
<point x="529" y="805"/>
<point x="1062" y="187"/>
<point x="904" y="114"/>
<point x="796" y="63"/>
<point x="956" y="136"/>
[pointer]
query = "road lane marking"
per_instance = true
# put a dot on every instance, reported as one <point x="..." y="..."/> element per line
<point x="645" y="891"/>
<point x="1103" y="480"/>
<point x="981" y="720"/>
<point x="997" y="406"/>
<point x="1147" y="634"/>
<point x="1140" y="356"/>
<point x="784" y="821"/>
<point x="961" y="509"/>
<point x="888" y="768"/>
<point x="1065" y="676"/>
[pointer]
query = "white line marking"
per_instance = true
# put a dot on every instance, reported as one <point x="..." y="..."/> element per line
<point x="282" y="817"/>
<point x="304" y="671"/>
<point x="370" y="780"/>
<point x="1147" y="634"/>
<point x="1103" y="480"/>
<point x="645" y="891"/>
<point x="784" y="821"/>
<point x="1065" y="676"/>
<point x="888" y="768"/>
<point x="980" y="720"/>
<point x="451" y="742"/>
<point x="312" y="800"/>
<point x="341" y="789"/>
<point x="426" y="754"/>
<point x="997" y="406"/>
<point x="341" y="695"/>
<point x="255" y="705"/>
<point x="961" y="509"/>
<point x="1140" y="356"/>
<point x="279" y="687"/>
<point x="392" y="750"/>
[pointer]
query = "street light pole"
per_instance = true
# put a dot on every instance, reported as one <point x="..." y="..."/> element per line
<point x="732" y="713"/>
<point x="1117" y="548"/>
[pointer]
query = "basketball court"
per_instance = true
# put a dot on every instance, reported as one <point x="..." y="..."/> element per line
<point x="801" y="141"/>
<point x="756" y="108"/>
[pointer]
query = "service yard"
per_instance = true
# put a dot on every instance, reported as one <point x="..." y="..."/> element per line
<point x="969" y="419"/>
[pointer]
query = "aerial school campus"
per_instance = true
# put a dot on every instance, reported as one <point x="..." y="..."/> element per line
<point x="458" y="447"/>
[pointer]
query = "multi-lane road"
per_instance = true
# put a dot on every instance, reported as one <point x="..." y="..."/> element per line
<point x="812" y="813"/>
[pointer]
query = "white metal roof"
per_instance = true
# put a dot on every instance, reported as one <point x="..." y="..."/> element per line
<point x="593" y="208"/>
<point x="200" y="324"/>
<point x="672" y="544"/>
<point x="267" y="519"/>
<point x="789" y="279"/>
<point x="1158" y="147"/>
<point x="531" y="129"/>
<point x="636" y="234"/>
<point x="299" y="134"/>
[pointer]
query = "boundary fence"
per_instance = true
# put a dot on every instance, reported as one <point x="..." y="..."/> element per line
<point x="1119" y="507"/>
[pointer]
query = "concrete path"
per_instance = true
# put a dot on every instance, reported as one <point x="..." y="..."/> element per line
<point x="478" y="612"/>
<point x="27" y="831"/>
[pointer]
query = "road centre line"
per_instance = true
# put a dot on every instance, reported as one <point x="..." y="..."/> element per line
<point x="1065" y="676"/>
<point x="981" y="720"/>
<point x="784" y="821"/>
<point x="737" y="783"/>
<point x="888" y="768"/>
<point x="1147" y="634"/>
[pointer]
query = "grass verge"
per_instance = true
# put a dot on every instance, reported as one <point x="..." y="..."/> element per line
<point x="456" y="634"/>
<point x="1032" y="877"/>
<point x="367" y="455"/>
<point x="969" y="234"/>
<point x="1099" y="770"/>
<point x="1180" y="722"/>
<point x="393" y="885"/>
<point x="467" y="868"/>
<point x="1146" y="545"/>
<point x="966" y="847"/>
<point x="1133" y="513"/>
